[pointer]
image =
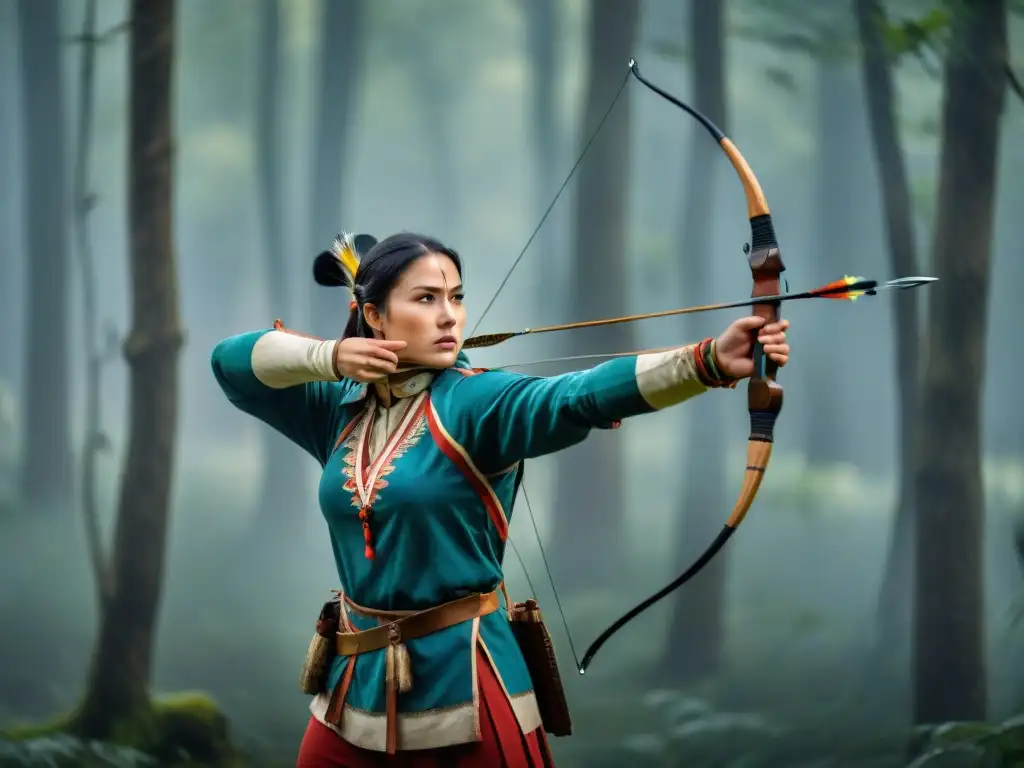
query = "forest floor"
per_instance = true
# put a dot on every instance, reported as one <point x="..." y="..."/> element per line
<point x="793" y="691"/>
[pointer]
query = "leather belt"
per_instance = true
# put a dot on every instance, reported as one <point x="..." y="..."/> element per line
<point x="415" y="625"/>
<point x="396" y="629"/>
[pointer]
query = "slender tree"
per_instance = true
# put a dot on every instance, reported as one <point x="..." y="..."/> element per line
<point x="46" y="464"/>
<point x="10" y="254"/>
<point x="122" y="662"/>
<point x="591" y="474"/>
<point x="542" y="33"/>
<point x="694" y="648"/>
<point x="949" y="650"/>
<point x="342" y="27"/>
<point x="282" y="478"/>
<point x="838" y="222"/>
<point x="95" y="441"/>
<point x="876" y="66"/>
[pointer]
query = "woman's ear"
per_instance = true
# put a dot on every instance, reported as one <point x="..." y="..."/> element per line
<point x="373" y="318"/>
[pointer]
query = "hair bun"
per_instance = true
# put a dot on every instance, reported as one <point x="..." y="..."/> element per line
<point x="327" y="270"/>
<point x="363" y="244"/>
<point x="338" y="265"/>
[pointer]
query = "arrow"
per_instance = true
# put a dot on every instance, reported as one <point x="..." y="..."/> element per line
<point x="846" y="289"/>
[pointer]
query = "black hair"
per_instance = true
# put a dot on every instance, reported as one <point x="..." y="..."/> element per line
<point x="380" y="267"/>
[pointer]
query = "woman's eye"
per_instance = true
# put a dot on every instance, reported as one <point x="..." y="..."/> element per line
<point x="428" y="297"/>
<point x="458" y="297"/>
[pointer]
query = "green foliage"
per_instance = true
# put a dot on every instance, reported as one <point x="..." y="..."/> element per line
<point x="28" y="731"/>
<point x="781" y="78"/>
<point x="180" y="729"/>
<point x="669" y="728"/>
<point x="190" y="725"/>
<point x="917" y="36"/>
<point x="1000" y="744"/>
<point x="816" y="30"/>
<point x="827" y="30"/>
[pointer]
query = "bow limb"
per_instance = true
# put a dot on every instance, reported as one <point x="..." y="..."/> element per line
<point x="764" y="394"/>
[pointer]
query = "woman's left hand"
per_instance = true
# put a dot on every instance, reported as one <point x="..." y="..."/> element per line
<point x="734" y="349"/>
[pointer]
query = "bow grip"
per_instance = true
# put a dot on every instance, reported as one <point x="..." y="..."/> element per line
<point x="764" y="395"/>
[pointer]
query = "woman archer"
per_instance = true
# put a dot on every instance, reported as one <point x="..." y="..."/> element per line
<point x="421" y="457"/>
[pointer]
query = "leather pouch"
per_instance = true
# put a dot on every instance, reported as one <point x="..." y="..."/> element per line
<point x="539" y="652"/>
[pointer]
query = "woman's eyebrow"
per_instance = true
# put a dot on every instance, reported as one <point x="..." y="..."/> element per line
<point x="434" y="288"/>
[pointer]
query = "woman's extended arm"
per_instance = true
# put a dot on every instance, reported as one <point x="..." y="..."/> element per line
<point x="507" y="417"/>
<point x="286" y="380"/>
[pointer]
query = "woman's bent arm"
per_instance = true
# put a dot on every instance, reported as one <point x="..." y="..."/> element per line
<point x="287" y="381"/>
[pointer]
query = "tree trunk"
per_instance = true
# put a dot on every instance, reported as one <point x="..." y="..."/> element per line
<point x="590" y="477"/>
<point x="93" y="440"/>
<point x="341" y="35"/>
<point x="542" y="25"/>
<point x="10" y="251"/>
<point x="282" y="480"/>
<point x="838" y="234"/>
<point x="949" y="664"/>
<point x="436" y="91"/>
<point x="695" y="637"/>
<point x="122" y="662"/>
<point x="895" y="593"/>
<point x="46" y="458"/>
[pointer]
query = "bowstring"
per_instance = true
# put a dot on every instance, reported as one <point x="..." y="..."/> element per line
<point x="551" y="580"/>
<point x="501" y="286"/>
<point x="522" y="565"/>
<point x="529" y="581"/>
<point x="551" y="206"/>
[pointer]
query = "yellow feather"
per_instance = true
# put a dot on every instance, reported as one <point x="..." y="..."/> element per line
<point x="344" y="249"/>
<point x="349" y="260"/>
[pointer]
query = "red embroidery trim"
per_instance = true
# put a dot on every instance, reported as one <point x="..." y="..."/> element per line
<point x="486" y="494"/>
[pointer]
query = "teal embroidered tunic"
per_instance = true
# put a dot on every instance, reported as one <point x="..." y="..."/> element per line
<point x="440" y="483"/>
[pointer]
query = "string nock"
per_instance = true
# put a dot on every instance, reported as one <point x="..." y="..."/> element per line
<point x="632" y="65"/>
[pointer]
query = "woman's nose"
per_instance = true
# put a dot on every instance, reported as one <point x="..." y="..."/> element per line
<point x="447" y="316"/>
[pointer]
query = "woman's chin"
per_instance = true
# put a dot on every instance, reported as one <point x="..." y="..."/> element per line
<point x="437" y="358"/>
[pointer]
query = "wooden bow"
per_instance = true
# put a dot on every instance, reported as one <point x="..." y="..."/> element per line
<point x="764" y="393"/>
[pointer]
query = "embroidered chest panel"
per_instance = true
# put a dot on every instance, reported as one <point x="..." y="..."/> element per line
<point x="366" y="475"/>
<point x="393" y="512"/>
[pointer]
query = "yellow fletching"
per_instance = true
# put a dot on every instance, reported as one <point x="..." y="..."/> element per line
<point x="850" y="281"/>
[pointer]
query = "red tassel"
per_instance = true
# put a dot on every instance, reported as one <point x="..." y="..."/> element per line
<point x="364" y="515"/>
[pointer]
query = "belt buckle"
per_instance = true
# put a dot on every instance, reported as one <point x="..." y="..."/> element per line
<point x="394" y="633"/>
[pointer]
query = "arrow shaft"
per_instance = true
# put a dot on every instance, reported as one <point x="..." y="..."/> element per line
<point x="849" y="288"/>
<point x="867" y="285"/>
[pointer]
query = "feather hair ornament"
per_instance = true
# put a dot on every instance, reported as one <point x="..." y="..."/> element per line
<point x="338" y="266"/>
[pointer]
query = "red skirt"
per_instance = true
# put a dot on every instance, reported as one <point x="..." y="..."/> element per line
<point x="502" y="744"/>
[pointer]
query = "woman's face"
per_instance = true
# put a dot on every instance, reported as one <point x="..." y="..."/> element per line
<point x="424" y="309"/>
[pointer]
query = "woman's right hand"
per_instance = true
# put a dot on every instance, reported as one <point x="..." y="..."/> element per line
<point x="366" y="360"/>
